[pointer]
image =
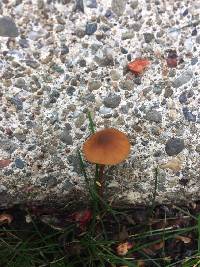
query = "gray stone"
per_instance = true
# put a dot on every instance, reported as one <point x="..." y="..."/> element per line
<point x="154" y="116"/>
<point x="32" y="63"/>
<point x="127" y="35"/>
<point x="183" y="97"/>
<point x="91" y="3"/>
<point x="118" y="6"/>
<point x="79" y="6"/>
<point x="90" y="28"/>
<point x="148" y="37"/>
<point x="64" y="50"/>
<point x="183" y="79"/>
<point x="48" y="181"/>
<point x="20" y="136"/>
<point x="74" y="161"/>
<point x="94" y="84"/>
<point x="114" y="74"/>
<point x="198" y="39"/>
<point x="20" y="83"/>
<point x="15" y="100"/>
<point x="189" y="116"/>
<point x="24" y="43"/>
<point x="112" y="100"/>
<point x="134" y="4"/>
<point x="19" y="163"/>
<point x="66" y="138"/>
<point x="127" y="85"/>
<point x="8" y="27"/>
<point x="174" y="146"/>
<point x="197" y="149"/>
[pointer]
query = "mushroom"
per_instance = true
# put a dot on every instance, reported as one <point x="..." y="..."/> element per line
<point x="106" y="147"/>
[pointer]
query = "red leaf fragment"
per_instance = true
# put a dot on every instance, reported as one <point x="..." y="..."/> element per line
<point x="82" y="217"/>
<point x="4" y="163"/>
<point x="138" y="65"/>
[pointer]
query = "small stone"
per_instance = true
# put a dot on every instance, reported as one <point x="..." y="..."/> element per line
<point x="19" y="163"/>
<point x="71" y="90"/>
<point x="54" y="93"/>
<point x="94" y="84"/>
<point x="189" y="116"/>
<point x="168" y="92"/>
<point x="20" y="136"/>
<point x="118" y="7"/>
<point x="64" y="50"/>
<point x="194" y="32"/>
<point x="91" y="3"/>
<point x="79" y="6"/>
<point x="15" y="100"/>
<point x="112" y="101"/>
<point x="53" y="118"/>
<point x="106" y="112"/>
<point x="174" y="146"/>
<point x="134" y="4"/>
<point x="91" y="28"/>
<point x="148" y="37"/>
<point x="154" y="116"/>
<point x="24" y="43"/>
<point x="157" y="89"/>
<point x="126" y="85"/>
<point x="49" y="181"/>
<point x="194" y="60"/>
<point x="183" y="79"/>
<point x="197" y="149"/>
<point x="2" y="188"/>
<point x="82" y="63"/>
<point x="20" y="83"/>
<point x="127" y="35"/>
<point x="8" y="27"/>
<point x="66" y="138"/>
<point x="74" y="161"/>
<point x="137" y="80"/>
<point x="183" y="98"/>
<point x="59" y="28"/>
<point x="114" y="74"/>
<point x="123" y="50"/>
<point x="40" y="4"/>
<point x="32" y="63"/>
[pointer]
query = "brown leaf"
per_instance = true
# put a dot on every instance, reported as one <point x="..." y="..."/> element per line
<point x="184" y="239"/>
<point x="5" y="218"/>
<point x="123" y="234"/>
<point x="138" y="65"/>
<point x="4" y="163"/>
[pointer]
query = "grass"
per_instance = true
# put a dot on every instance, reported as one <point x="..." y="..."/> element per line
<point x="159" y="237"/>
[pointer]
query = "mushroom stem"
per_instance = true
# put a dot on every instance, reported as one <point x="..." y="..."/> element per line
<point x="101" y="179"/>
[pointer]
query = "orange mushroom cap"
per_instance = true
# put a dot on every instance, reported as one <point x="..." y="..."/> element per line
<point x="107" y="147"/>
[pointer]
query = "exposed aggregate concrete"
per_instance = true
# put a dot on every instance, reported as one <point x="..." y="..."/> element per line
<point x="60" y="59"/>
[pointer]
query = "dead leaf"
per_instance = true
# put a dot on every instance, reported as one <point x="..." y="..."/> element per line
<point x="174" y="165"/>
<point x="4" y="163"/>
<point x="138" y="65"/>
<point x="184" y="239"/>
<point x="123" y="248"/>
<point x="6" y="218"/>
